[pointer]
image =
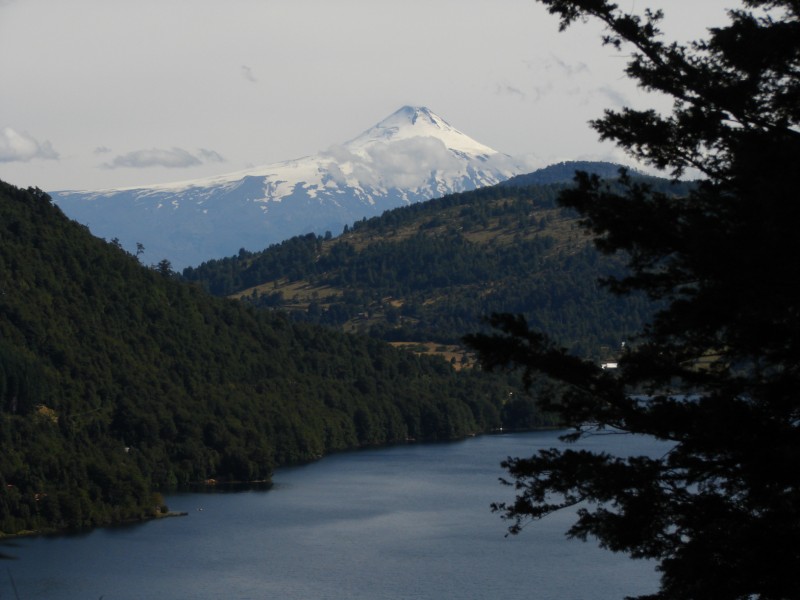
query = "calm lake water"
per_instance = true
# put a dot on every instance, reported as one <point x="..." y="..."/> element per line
<point x="407" y="522"/>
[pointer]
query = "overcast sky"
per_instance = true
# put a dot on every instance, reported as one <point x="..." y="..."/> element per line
<point x="112" y="93"/>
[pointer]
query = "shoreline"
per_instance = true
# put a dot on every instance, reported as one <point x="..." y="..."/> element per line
<point x="56" y="531"/>
<point x="212" y="485"/>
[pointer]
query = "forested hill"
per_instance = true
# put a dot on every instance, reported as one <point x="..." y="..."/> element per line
<point x="431" y="271"/>
<point x="564" y="172"/>
<point x="117" y="380"/>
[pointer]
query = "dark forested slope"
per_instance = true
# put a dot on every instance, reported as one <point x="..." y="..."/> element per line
<point x="117" y="380"/>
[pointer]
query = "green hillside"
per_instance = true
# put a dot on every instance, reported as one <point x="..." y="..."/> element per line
<point x="429" y="272"/>
<point x="118" y="380"/>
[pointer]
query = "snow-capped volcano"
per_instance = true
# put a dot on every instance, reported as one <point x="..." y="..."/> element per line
<point x="410" y="156"/>
<point x="414" y="122"/>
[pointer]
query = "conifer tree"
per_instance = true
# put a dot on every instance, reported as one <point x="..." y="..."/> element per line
<point x="717" y="371"/>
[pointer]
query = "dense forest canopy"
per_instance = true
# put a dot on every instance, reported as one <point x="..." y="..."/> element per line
<point x="117" y="381"/>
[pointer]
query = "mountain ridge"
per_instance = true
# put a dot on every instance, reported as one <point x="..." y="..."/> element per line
<point x="411" y="156"/>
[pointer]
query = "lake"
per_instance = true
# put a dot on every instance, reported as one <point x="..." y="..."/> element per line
<point x="405" y="522"/>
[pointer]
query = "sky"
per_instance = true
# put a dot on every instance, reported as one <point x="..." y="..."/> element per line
<point x="103" y="94"/>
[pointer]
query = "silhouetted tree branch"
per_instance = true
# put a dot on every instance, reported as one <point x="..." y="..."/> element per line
<point x="717" y="371"/>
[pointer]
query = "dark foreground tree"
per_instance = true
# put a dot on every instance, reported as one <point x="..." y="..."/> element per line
<point x="717" y="372"/>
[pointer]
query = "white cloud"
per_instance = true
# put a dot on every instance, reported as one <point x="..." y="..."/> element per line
<point x="21" y="147"/>
<point x="174" y="158"/>
<point x="247" y="73"/>
<point x="541" y="91"/>
<point x="401" y="164"/>
<point x="509" y="90"/>
<point x="615" y="96"/>
<point x="553" y="75"/>
<point x="410" y="163"/>
<point x="404" y="163"/>
<point x="565" y="68"/>
<point x="210" y="156"/>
